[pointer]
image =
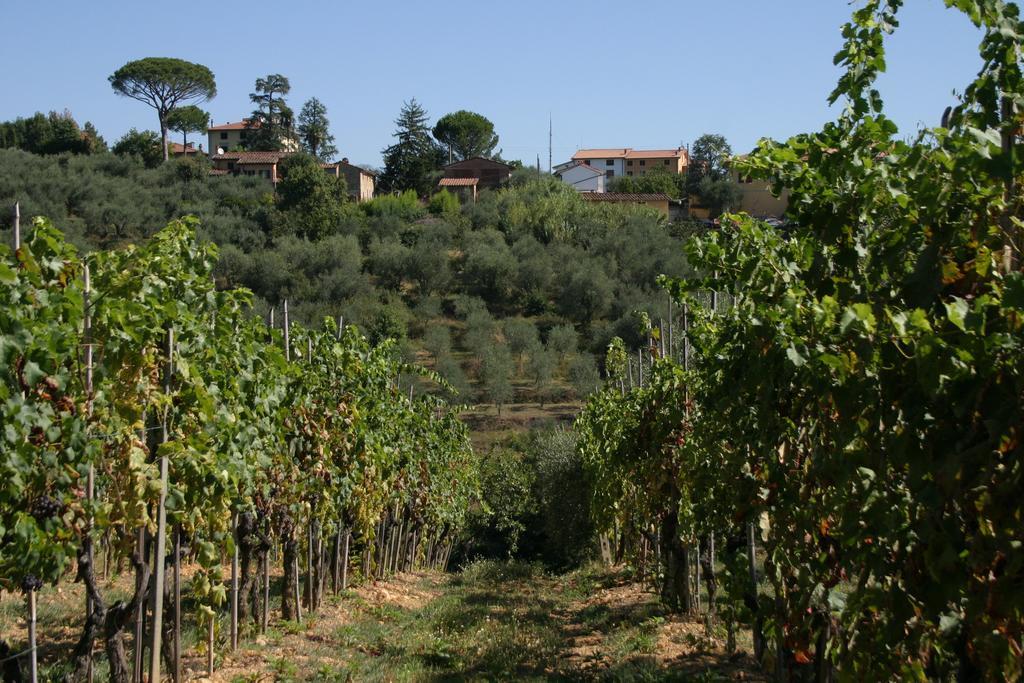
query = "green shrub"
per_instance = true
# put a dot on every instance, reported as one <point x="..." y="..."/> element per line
<point x="443" y="203"/>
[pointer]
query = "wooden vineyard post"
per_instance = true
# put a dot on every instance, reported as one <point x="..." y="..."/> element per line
<point x="295" y="564"/>
<point x="320" y="574"/>
<point x="344" y="560"/>
<point x="32" y="657"/>
<point x="90" y="484"/>
<point x="335" y="560"/>
<point x="140" y="613"/>
<point x="234" y="584"/>
<point x="298" y="593"/>
<point x="710" y="582"/>
<point x="671" y="328"/>
<point x="756" y="622"/>
<point x="209" y="646"/>
<point x="640" y="367"/>
<point x="177" y="603"/>
<point x="697" y="572"/>
<point x="17" y="226"/>
<point x="309" y="568"/>
<point x="161" y="531"/>
<point x="686" y="337"/>
<point x="266" y="592"/>
<point x="287" y="341"/>
<point x="1011" y="234"/>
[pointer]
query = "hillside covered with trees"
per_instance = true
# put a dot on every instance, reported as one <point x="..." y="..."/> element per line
<point x="527" y="285"/>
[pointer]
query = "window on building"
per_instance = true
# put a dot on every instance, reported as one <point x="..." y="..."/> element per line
<point x="629" y="163"/>
<point x="609" y="174"/>
<point x="643" y="163"/>
<point x="223" y="135"/>
<point x="629" y="173"/>
<point x="609" y="162"/>
<point x="666" y="162"/>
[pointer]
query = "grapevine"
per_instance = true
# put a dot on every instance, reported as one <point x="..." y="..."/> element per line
<point x="263" y="444"/>
<point x="856" y="407"/>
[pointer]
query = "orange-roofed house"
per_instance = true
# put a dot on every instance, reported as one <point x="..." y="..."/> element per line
<point x="626" y="161"/>
<point x="232" y="136"/>
<point x="178" y="149"/>
<point x="227" y="137"/>
<point x="260" y="164"/>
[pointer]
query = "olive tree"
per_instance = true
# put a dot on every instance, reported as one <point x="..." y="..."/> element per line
<point x="496" y="375"/>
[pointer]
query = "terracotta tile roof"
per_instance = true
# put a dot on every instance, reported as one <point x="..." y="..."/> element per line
<point x="358" y="168"/>
<point x="457" y="182"/>
<point x="584" y="165"/>
<point x="176" y="148"/>
<point x="624" y="197"/>
<point x="251" y="157"/>
<point x="656" y="153"/>
<point x="238" y="125"/>
<point x="618" y="152"/>
<point x="628" y="153"/>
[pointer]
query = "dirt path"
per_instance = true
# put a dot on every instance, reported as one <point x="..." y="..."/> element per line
<point x="492" y="621"/>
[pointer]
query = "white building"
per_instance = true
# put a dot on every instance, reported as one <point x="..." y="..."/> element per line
<point x="611" y="162"/>
<point x="581" y="176"/>
<point x="626" y="161"/>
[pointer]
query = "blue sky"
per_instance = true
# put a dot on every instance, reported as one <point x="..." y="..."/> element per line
<point x="636" y="74"/>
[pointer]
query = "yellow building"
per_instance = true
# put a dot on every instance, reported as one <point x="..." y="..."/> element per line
<point x="756" y="197"/>
<point x="358" y="181"/>
<point x="641" y="161"/>
<point x="231" y="137"/>
<point x="227" y="137"/>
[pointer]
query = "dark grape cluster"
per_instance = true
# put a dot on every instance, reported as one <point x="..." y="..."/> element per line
<point x="31" y="582"/>
<point x="44" y="507"/>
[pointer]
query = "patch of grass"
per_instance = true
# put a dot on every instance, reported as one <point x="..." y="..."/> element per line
<point x="284" y="669"/>
<point x="292" y="627"/>
<point x="248" y="678"/>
